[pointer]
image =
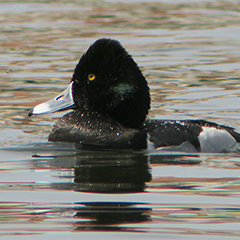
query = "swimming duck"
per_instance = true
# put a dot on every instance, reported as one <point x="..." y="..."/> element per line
<point x="110" y="98"/>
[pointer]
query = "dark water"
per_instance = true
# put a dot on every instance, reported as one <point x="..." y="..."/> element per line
<point x="189" y="51"/>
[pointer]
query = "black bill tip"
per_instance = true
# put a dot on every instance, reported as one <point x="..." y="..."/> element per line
<point x="30" y="113"/>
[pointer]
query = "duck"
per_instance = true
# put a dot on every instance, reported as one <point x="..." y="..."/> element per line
<point x="110" y="101"/>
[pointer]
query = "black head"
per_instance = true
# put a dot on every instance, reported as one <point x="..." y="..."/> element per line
<point x="108" y="81"/>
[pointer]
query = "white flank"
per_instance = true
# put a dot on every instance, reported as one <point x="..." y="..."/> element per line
<point x="150" y="145"/>
<point x="215" y="140"/>
<point x="184" y="147"/>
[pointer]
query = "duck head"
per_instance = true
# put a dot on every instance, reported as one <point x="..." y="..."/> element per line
<point x="106" y="80"/>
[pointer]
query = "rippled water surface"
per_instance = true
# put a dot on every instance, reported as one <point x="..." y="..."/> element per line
<point x="189" y="51"/>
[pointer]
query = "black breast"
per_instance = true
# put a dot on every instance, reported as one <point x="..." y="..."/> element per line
<point x="92" y="128"/>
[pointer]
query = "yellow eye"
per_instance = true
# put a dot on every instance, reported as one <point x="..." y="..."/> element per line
<point x="91" y="77"/>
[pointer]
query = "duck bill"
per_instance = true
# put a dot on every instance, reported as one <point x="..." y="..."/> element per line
<point x="62" y="102"/>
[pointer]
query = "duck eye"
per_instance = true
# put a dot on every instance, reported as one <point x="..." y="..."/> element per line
<point x="91" y="77"/>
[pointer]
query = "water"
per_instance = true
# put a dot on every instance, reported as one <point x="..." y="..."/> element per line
<point x="189" y="51"/>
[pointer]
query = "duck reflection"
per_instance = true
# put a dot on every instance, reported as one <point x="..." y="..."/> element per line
<point x="118" y="172"/>
<point x="110" y="172"/>
<point x="104" y="170"/>
<point x="109" y="216"/>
